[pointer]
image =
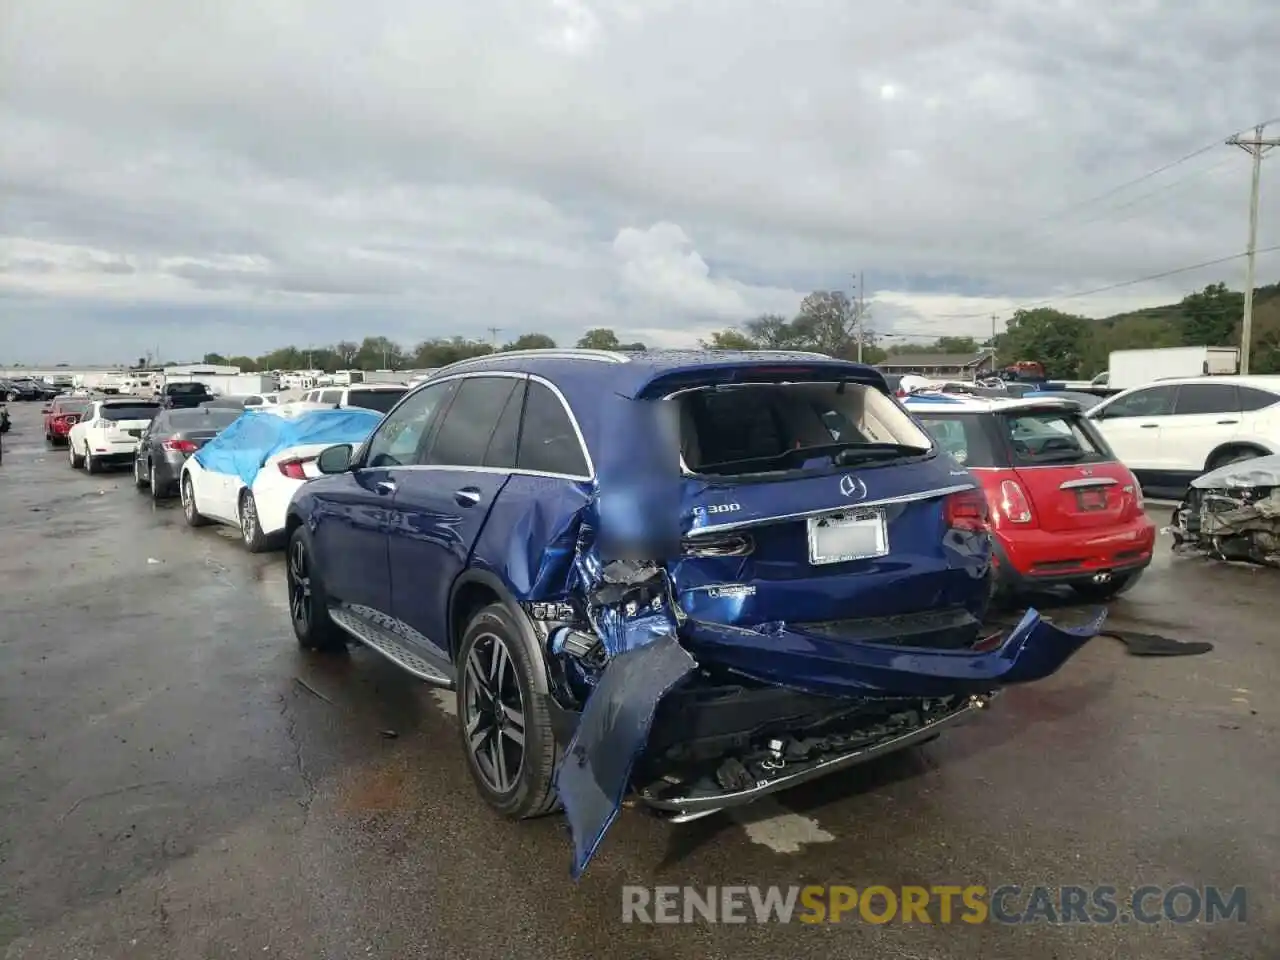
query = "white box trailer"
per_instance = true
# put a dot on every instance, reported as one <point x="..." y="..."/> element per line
<point x="1133" y="368"/>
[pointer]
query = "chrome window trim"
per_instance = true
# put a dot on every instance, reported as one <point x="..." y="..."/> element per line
<point x="513" y="375"/>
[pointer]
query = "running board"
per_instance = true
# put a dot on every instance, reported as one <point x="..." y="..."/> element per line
<point x="399" y="651"/>
<point x="683" y="809"/>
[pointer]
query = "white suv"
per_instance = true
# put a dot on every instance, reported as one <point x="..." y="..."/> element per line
<point x="107" y="435"/>
<point x="379" y="397"/>
<point x="1170" y="431"/>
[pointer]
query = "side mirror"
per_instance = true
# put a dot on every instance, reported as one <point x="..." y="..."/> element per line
<point x="335" y="459"/>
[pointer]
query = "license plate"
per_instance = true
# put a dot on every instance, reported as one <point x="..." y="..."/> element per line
<point x="1091" y="499"/>
<point x="848" y="535"/>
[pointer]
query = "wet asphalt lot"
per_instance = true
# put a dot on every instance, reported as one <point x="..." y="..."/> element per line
<point x="178" y="780"/>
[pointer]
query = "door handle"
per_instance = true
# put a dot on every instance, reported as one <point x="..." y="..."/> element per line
<point x="1148" y="426"/>
<point x="1225" y="423"/>
<point x="385" y="486"/>
<point x="467" y="497"/>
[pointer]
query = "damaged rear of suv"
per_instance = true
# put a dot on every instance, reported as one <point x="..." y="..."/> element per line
<point x="690" y="578"/>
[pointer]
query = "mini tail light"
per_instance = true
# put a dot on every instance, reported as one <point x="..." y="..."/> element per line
<point x="294" y="469"/>
<point x="180" y="446"/>
<point x="967" y="510"/>
<point x="1014" y="505"/>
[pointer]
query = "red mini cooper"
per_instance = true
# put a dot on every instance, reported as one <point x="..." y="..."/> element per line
<point x="60" y="416"/>
<point x="1064" y="510"/>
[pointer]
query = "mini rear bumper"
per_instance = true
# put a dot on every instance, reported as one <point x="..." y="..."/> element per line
<point x="1039" y="557"/>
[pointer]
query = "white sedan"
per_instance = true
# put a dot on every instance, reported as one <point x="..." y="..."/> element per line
<point x="107" y="435"/>
<point x="257" y="510"/>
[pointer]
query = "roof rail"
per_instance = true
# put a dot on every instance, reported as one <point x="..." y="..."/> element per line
<point x="546" y="353"/>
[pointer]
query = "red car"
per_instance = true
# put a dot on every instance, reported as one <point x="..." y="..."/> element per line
<point x="60" y="416"/>
<point x="1064" y="510"/>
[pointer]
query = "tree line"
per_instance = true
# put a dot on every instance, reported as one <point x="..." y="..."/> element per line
<point x="833" y="323"/>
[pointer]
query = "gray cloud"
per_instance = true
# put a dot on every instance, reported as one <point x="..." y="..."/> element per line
<point x="657" y="167"/>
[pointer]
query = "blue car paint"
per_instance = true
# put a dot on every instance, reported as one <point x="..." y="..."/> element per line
<point x="774" y="653"/>
<point x="533" y="534"/>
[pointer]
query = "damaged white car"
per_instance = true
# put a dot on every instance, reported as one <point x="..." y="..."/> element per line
<point x="1233" y="513"/>
<point x="692" y="579"/>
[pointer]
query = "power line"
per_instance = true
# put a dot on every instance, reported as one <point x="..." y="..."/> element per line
<point x="1070" y="208"/>
<point x="1111" y="286"/>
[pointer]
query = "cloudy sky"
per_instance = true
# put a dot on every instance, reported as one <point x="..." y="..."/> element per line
<point x="246" y="174"/>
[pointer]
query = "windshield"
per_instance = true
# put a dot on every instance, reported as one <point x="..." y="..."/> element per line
<point x="757" y="428"/>
<point x="356" y="376"/>
<point x="379" y="400"/>
<point x="129" y="411"/>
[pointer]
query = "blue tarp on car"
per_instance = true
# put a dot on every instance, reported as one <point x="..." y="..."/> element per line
<point x="242" y="448"/>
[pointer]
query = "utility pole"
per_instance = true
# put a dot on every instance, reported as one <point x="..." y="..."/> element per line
<point x="493" y="333"/>
<point x="1257" y="147"/>
<point x="994" y="366"/>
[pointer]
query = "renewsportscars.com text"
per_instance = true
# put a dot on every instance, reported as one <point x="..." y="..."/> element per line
<point x="1011" y="904"/>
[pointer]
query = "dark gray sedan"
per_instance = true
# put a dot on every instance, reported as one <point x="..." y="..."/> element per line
<point x="173" y="436"/>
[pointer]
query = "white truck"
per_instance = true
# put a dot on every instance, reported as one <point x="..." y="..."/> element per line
<point x="1133" y="368"/>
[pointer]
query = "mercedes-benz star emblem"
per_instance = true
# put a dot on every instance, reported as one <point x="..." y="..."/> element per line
<point x="852" y="487"/>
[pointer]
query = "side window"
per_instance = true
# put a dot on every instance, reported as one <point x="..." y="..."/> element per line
<point x="253" y="401"/>
<point x="1196" y="398"/>
<point x="506" y="435"/>
<point x="465" y="431"/>
<point x="1151" y="402"/>
<point x="1251" y="398"/>
<point x="331" y="396"/>
<point x="548" y="442"/>
<point x="397" y="440"/>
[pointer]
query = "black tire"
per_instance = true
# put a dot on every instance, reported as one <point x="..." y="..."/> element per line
<point x="308" y="603"/>
<point x="73" y="458"/>
<point x="255" y="541"/>
<point x="1110" y="590"/>
<point x="139" y="482"/>
<point x="530" y="790"/>
<point x="189" y="508"/>
<point x="159" y="491"/>
<point x="91" y="463"/>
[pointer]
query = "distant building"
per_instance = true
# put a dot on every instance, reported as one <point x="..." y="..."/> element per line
<point x="201" y="369"/>
<point x="941" y="366"/>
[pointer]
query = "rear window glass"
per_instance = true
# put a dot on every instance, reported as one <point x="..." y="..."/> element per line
<point x="177" y="388"/>
<point x="967" y="437"/>
<point x="1051" y="436"/>
<point x="65" y="406"/>
<point x="130" y="411"/>
<point x="758" y="428"/>
<point x="206" y="418"/>
<point x="379" y="400"/>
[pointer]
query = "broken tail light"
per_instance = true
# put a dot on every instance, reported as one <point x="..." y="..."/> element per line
<point x="180" y="446"/>
<point x="725" y="545"/>
<point x="1014" y="504"/>
<point x="967" y="510"/>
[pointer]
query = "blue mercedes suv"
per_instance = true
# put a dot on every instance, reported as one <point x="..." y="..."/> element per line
<point x="692" y="578"/>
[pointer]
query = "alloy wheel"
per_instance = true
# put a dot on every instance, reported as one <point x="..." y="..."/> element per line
<point x="188" y="499"/>
<point x="299" y="577"/>
<point x="494" y="713"/>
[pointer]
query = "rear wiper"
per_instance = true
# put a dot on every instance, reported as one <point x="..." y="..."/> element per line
<point x="876" y="451"/>
<point x="1064" y="457"/>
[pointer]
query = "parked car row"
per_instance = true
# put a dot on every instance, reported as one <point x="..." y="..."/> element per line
<point x="706" y="577"/>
